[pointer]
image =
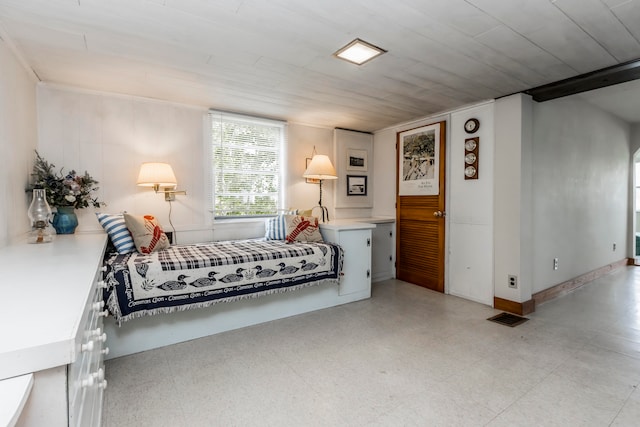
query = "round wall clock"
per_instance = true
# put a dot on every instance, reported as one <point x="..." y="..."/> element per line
<point x="470" y="145"/>
<point x="469" y="171"/>
<point x="471" y="125"/>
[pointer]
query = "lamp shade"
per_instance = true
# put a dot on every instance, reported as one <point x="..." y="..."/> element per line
<point x="156" y="175"/>
<point x="320" y="168"/>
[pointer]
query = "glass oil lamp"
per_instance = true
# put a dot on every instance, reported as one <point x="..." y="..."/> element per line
<point x="40" y="214"/>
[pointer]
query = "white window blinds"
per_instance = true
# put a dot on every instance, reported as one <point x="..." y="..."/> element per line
<point x="247" y="159"/>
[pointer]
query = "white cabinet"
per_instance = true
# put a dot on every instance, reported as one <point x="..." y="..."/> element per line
<point x="85" y="376"/>
<point x="383" y="251"/>
<point x="355" y="240"/>
<point x="57" y="333"/>
<point x="72" y="395"/>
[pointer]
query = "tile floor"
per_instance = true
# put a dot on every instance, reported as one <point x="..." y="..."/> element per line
<point x="406" y="357"/>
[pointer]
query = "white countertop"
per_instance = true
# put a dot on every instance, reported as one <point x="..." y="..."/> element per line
<point x="43" y="292"/>
<point x="355" y="223"/>
<point x="345" y="224"/>
<point x="14" y="393"/>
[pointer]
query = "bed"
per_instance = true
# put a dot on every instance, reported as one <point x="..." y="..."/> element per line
<point x="185" y="277"/>
<point x="149" y="328"/>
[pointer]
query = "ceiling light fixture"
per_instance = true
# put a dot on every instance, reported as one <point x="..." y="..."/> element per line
<point x="359" y="51"/>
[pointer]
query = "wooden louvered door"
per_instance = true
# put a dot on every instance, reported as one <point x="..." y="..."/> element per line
<point x="420" y="228"/>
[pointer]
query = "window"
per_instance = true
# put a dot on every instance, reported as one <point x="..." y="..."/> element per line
<point x="247" y="163"/>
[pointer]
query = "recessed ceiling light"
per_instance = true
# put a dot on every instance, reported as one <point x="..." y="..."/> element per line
<point x="359" y="52"/>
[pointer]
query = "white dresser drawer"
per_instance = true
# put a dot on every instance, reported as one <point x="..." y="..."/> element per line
<point x="86" y="375"/>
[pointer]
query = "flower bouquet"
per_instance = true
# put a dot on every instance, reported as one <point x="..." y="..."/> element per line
<point x="64" y="189"/>
<point x="65" y="192"/>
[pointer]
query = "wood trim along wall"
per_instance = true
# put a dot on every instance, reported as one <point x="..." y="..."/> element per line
<point x="572" y="284"/>
<point x="527" y="307"/>
<point x="521" y="308"/>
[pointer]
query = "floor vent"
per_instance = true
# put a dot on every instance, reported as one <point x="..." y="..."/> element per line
<point x="508" y="319"/>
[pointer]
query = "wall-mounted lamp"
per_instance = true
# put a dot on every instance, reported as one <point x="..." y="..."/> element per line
<point x="321" y="168"/>
<point x="160" y="176"/>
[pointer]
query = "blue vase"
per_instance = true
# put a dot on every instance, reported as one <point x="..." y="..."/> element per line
<point x="65" y="220"/>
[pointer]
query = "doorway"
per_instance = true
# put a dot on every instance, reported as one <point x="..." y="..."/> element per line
<point x="420" y="202"/>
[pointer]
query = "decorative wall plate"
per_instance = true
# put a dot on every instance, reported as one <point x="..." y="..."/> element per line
<point x="470" y="158"/>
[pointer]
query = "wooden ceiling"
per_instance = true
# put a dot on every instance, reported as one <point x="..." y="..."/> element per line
<point x="274" y="57"/>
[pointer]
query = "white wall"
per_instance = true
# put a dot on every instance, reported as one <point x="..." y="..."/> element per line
<point x="634" y="220"/>
<point x="352" y="206"/>
<point x="635" y="138"/>
<point x="581" y="176"/>
<point x="111" y="135"/>
<point x="18" y="141"/>
<point x="301" y="195"/>
<point x="470" y="211"/>
<point x="512" y="202"/>
<point x="384" y="180"/>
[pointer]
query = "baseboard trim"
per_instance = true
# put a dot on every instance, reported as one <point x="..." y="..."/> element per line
<point x="573" y="284"/>
<point x="520" y="308"/>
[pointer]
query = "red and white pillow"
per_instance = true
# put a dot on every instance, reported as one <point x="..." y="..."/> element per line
<point x="147" y="234"/>
<point x="302" y="229"/>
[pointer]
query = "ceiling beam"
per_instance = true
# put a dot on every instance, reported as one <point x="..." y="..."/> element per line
<point x="594" y="80"/>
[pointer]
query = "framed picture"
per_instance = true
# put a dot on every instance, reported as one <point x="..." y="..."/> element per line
<point x="356" y="160"/>
<point x="419" y="161"/>
<point x="310" y="180"/>
<point x="356" y="185"/>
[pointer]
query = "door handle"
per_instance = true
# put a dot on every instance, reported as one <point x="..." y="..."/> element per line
<point x="439" y="214"/>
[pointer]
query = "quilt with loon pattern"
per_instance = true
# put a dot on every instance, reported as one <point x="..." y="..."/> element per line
<point x="183" y="277"/>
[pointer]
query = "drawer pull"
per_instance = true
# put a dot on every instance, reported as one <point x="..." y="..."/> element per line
<point x="105" y="351"/>
<point x="99" y="376"/>
<point x="88" y="382"/>
<point x="95" y="379"/>
<point x="87" y="347"/>
<point x="104" y="313"/>
<point x="102" y="338"/>
<point x="102" y="284"/>
<point x="103" y="268"/>
<point x="96" y="332"/>
<point x="98" y="305"/>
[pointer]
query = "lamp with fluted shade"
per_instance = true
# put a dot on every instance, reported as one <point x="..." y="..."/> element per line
<point x="321" y="168"/>
<point x="158" y="175"/>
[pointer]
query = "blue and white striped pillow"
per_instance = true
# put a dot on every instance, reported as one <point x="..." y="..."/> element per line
<point x="276" y="228"/>
<point x="118" y="232"/>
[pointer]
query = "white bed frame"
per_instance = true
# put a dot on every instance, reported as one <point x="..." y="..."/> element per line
<point x="151" y="332"/>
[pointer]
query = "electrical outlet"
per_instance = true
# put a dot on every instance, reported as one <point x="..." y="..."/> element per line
<point x="513" y="281"/>
<point x="555" y="263"/>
